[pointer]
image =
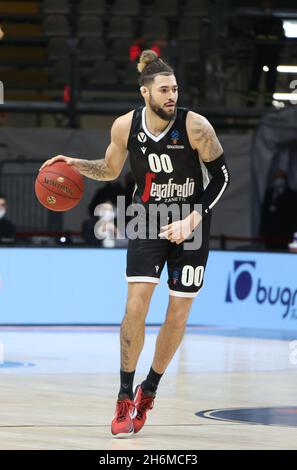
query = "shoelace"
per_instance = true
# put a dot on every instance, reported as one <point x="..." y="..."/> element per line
<point x="144" y="404"/>
<point x="122" y="410"/>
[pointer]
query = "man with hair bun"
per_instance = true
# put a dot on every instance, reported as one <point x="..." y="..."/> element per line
<point x="175" y="157"/>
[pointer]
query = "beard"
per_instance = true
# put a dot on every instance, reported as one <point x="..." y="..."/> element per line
<point x="161" y="112"/>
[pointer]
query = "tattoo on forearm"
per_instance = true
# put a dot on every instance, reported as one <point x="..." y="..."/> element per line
<point x="95" y="169"/>
<point x="207" y="141"/>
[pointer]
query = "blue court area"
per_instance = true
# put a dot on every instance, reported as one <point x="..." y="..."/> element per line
<point x="246" y="332"/>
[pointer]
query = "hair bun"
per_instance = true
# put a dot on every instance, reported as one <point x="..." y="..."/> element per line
<point x="146" y="58"/>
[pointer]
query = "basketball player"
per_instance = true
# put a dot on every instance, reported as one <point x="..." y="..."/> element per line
<point x="172" y="153"/>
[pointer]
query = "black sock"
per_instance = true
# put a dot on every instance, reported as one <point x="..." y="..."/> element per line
<point x="150" y="384"/>
<point x="126" y="384"/>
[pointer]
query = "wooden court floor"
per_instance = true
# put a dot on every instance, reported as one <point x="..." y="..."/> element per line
<point x="222" y="391"/>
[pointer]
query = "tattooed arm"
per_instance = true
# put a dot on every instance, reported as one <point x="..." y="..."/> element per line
<point x="202" y="137"/>
<point x="110" y="167"/>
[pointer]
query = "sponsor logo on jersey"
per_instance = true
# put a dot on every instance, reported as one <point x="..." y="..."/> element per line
<point x="148" y="185"/>
<point x="175" y="147"/>
<point x="168" y="192"/>
<point x="141" y="137"/>
<point x="143" y="149"/>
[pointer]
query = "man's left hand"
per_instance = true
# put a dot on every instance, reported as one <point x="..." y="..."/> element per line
<point x="177" y="231"/>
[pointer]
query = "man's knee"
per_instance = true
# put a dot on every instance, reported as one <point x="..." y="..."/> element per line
<point x="138" y="301"/>
<point x="178" y="311"/>
<point x="136" y="308"/>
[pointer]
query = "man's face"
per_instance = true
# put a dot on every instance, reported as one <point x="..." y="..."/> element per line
<point x="163" y="96"/>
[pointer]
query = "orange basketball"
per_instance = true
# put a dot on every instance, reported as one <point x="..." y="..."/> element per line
<point x="59" y="187"/>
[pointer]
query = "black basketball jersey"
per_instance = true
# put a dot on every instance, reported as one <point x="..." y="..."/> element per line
<point x="165" y="167"/>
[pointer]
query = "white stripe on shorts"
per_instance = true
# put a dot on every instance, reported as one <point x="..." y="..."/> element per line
<point x="154" y="280"/>
<point x="176" y="293"/>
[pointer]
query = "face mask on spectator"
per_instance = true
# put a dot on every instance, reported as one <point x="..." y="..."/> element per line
<point x="279" y="182"/>
<point x="106" y="212"/>
<point x="2" y="212"/>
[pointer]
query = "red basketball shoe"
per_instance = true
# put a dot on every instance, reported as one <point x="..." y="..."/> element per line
<point x="144" y="401"/>
<point x="122" y="423"/>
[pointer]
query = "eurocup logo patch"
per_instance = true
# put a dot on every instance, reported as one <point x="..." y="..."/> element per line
<point x="174" y="136"/>
<point x="240" y="281"/>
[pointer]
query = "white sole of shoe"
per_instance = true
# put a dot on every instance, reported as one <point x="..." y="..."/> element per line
<point x="125" y="435"/>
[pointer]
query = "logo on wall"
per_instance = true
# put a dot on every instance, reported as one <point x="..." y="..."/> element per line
<point x="244" y="284"/>
<point x="240" y="280"/>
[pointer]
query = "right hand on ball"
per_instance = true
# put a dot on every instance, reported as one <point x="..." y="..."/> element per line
<point x="58" y="158"/>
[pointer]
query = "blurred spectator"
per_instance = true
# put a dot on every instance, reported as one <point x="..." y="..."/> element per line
<point x="105" y="228"/>
<point x="107" y="193"/>
<point x="87" y="230"/>
<point x="101" y="226"/>
<point x="279" y="216"/>
<point x="104" y="205"/>
<point x="267" y="34"/>
<point x="7" y="228"/>
<point x="293" y="245"/>
<point x="128" y="191"/>
<point x="275" y="213"/>
<point x="105" y="200"/>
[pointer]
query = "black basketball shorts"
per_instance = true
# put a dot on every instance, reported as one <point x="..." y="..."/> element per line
<point x="146" y="259"/>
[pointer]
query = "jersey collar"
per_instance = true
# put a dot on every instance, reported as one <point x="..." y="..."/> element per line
<point x="152" y="136"/>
